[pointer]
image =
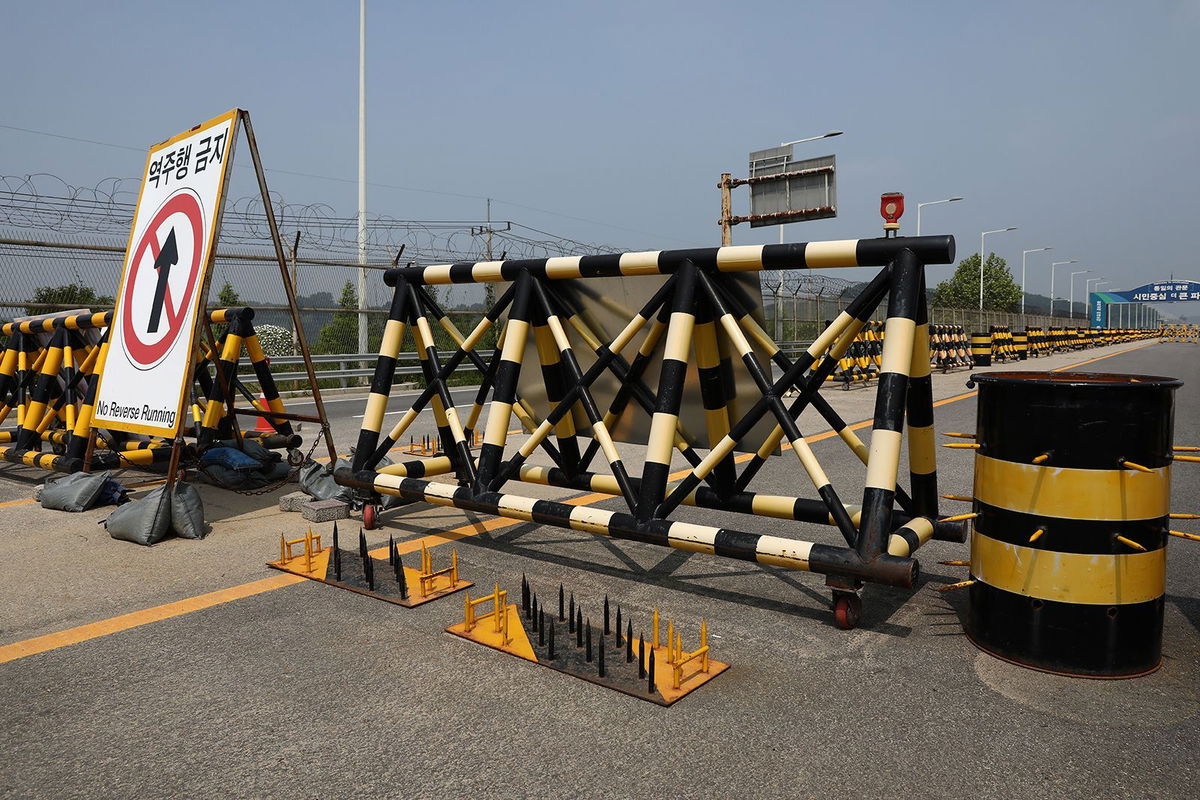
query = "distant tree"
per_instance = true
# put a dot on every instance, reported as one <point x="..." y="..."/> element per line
<point x="228" y="297"/>
<point x="55" y="298"/>
<point x="340" y="334"/>
<point x="961" y="290"/>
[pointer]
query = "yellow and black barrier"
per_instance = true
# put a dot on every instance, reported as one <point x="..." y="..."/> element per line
<point x="981" y="349"/>
<point x="1068" y="552"/>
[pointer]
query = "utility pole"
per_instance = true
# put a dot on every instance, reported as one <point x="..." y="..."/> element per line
<point x="362" y="176"/>
<point x="725" y="186"/>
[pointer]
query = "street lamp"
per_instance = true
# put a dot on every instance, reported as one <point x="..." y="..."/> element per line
<point x="932" y="203"/>
<point x="813" y="138"/>
<point x="1071" y="307"/>
<point x="981" y="237"/>
<point x="1054" y="264"/>
<point x="1023" y="254"/>
<point x="802" y="141"/>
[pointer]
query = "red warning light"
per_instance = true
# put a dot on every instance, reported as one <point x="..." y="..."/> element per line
<point x="891" y="206"/>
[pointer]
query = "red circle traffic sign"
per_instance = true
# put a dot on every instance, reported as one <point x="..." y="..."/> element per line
<point x="146" y="354"/>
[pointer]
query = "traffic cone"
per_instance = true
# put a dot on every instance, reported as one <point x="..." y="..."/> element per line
<point x="263" y="425"/>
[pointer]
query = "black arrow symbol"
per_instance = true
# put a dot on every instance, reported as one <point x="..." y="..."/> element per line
<point x="167" y="258"/>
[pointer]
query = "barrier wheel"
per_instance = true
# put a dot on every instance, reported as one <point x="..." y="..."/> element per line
<point x="846" y="610"/>
<point x="370" y="516"/>
<point x="294" y="458"/>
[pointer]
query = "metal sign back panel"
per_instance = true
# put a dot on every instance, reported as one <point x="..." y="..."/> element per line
<point x="164" y="280"/>
<point x="607" y="305"/>
<point x="783" y="190"/>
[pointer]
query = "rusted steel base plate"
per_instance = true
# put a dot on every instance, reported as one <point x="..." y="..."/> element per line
<point x="354" y="579"/>
<point x="571" y="658"/>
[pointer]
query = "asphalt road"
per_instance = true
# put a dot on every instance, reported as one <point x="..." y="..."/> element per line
<point x="307" y="691"/>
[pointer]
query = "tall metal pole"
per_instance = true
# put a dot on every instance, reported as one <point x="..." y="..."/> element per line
<point x="1071" y="307"/>
<point x="1053" y="266"/>
<point x="362" y="175"/>
<point x="981" y="259"/>
<point x="1024" y="253"/>
<point x="726" y="209"/>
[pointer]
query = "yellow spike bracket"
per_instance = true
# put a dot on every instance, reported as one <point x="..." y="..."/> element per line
<point x="959" y="517"/>
<point x="1130" y="543"/>
<point x="1184" y="516"/>
<point x="950" y="587"/>
<point x="1042" y="458"/>
<point x="958" y="497"/>
<point x="1130" y="465"/>
<point x="655" y="625"/>
<point x="962" y="445"/>
<point x="1036" y="535"/>
<point x="959" y="435"/>
<point x="958" y="563"/>
<point x="1191" y="537"/>
<point x="1185" y="449"/>
<point x="1194" y="459"/>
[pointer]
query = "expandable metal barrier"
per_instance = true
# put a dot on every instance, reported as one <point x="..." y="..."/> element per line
<point x="53" y="390"/>
<point x="695" y="305"/>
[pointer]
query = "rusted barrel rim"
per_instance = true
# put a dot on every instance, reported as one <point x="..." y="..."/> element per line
<point x="1110" y="380"/>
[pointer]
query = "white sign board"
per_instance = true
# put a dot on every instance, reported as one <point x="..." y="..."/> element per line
<point x="144" y="375"/>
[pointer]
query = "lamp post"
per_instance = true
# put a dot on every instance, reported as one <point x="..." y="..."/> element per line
<point x="981" y="258"/>
<point x="362" y="176"/>
<point x="1053" y="265"/>
<point x="1071" y="307"/>
<point x="932" y="203"/>
<point x="802" y="141"/>
<point x="1023" y="254"/>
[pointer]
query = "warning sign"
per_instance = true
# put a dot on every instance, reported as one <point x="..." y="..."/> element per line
<point x="143" y="381"/>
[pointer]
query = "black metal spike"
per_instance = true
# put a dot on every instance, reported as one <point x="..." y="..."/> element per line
<point x="561" y="614"/>
<point x="642" y="655"/>
<point x="533" y="609"/>
<point x="617" y="627"/>
<point x="606" y="628"/>
<point x="579" y="627"/>
<point x="541" y="626"/>
<point x="588" y="652"/>
<point x="629" y="641"/>
<point x="550" y="652"/>
<point x="337" y="556"/>
<point x="600" y="658"/>
<point x="401" y="579"/>
<point x="369" y="569"/>
<point x="524" y="595"/>
<point x="362" y="543"/>
<point x="571" y="614"/>
<point x="650" y="673"/>
<point x="391" y="551"/>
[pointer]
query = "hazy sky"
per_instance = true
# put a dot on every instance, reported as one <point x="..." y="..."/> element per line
<point x="1077" y="122"/>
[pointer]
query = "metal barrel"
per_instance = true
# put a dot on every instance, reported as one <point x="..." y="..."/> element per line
<point x="1072" y="491"/>
<point x="981" y="349"/>
<point x="1021" y="341"/>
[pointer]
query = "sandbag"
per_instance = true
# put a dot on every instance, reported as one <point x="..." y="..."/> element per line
<point x="77" y="491"/>
<point x="187" y="512"/>
<point x="317" y="482"/>
<point x="146" y="521"/>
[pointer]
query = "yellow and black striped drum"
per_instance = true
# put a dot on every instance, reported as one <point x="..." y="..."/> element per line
<point x="981" y="349"/>
<point x="1072" y="491"/>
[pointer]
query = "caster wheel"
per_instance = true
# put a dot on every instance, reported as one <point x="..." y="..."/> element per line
<point x="295" y="458"/>
<point x="370" y="517"/>
<point x="846" y="611"/>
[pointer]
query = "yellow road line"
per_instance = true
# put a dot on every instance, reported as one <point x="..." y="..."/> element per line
<point x="95" y="630"/>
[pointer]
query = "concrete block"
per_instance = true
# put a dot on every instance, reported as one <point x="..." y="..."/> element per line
<point x="293" y="501"/>
<point x="325" y="510"/>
